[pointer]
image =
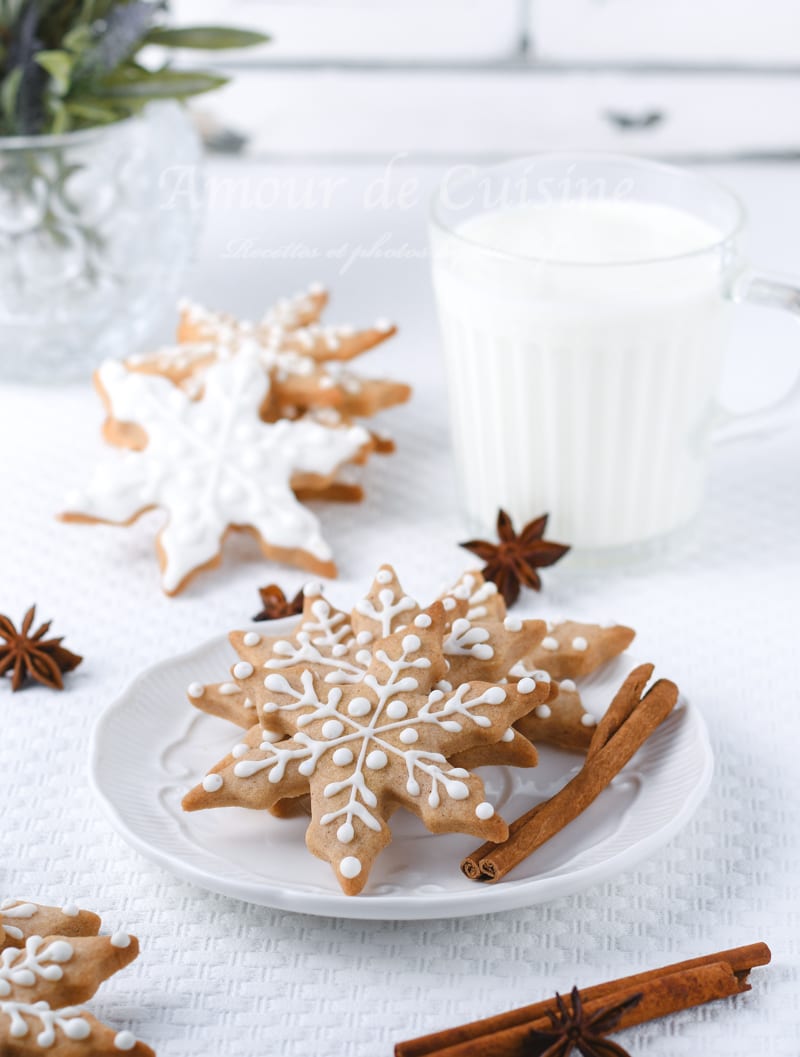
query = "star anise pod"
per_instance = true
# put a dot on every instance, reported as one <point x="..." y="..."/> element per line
<point x="575" y="1029"/>
<point x="276" y="605"/>
<point x="515" y="558"/>
<point x="24" y="654"/>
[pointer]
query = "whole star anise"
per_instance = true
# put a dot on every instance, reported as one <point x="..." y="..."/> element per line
<point x="25" y="654"/>
<point x="576" y="1029"/>
<point x="515" y="558"/>
<point x="276" y="605"/>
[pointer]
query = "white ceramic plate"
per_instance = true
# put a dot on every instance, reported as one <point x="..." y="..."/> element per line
<point x="150" y="747"/>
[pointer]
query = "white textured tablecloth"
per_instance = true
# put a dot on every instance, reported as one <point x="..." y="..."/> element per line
<point x="219" y="977"/>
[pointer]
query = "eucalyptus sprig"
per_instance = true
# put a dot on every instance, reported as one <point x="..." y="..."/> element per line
<point x="71" y="64"/>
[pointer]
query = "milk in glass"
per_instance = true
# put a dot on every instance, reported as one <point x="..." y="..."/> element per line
<point x="583" y="344"/>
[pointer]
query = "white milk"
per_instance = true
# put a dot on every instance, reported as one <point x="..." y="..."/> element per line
<point x="581" y="382"/>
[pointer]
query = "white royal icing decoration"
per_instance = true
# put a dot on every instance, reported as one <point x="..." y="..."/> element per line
<point x="390" y="606"/>
<point x="549" y="643"/>
<point x="251" y="638"/>
<point x="124" y="1040"/>
<point x="360" y="735"/>
<point x="212" y="783"/>
<point x="568" y="685"/>
<point x="10" y="908"/>
<point x="579" y="643"/>
<point x="465" y="639"/>
<point x="213" y="463"/>
<point x="36" y="961"/>
<point x="350" y="866"/>
<point x="69" y="1020"/>
<point x="121" y="940"/>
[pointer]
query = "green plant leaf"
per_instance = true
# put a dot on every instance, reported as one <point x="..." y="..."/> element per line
<point x="206" y="38"/>
<point x="9" y="93"/>
<point x="59" y="65"/>
<point x="78" y="39"/>
<point x="60" y="121"/>
<point x="128" y="83"/>
<point x="93" y="111"/>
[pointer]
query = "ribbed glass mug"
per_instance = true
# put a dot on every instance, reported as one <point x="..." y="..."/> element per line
<point x="585" y="304"/>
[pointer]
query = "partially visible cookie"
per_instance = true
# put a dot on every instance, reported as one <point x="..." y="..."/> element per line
<point x="44" y="978"/>
<point x="198" y="324"/>
<point x="63" y="970"/>
<point x="571" y="650"/>
<point x="484" y="600"/>
<point x="20" y="919"/>
<point x="561" y="721"/>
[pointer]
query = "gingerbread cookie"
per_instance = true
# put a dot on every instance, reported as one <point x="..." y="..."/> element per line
<point x="484" y="600"/>
<point x="198" y="324"/>
<point x="304" y="358"/>
<point x="214" y="467"/>
<point x="21" y="919"/>
<point x="340" y="647"/>
<point x="342" y="343"/>
<point x="294" y="328"/>
<point x="44" y="979"/>
<point x="561" y="721"/>
<point x="571" y="650"/>
<point x="363" y="746"/>
<point x="297" y="384"/>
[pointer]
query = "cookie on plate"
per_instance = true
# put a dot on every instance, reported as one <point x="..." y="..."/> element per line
<point x="366" y="742"/>
<point x="571" y="650"/>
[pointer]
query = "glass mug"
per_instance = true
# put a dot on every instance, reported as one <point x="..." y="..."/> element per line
<point x="585" y="303"/>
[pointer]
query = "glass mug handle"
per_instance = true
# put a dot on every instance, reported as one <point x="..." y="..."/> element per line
<point x="758" y="288"/>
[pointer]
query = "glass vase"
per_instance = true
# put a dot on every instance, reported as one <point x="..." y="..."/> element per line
<point x="92" y="246"/>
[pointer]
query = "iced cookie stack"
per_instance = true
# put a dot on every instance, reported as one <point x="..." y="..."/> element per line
<point x="393" y="705"/>
<point x="231" y="428"/>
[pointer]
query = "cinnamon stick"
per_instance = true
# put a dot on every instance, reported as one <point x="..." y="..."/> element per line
<point x="625" y="701"/>
<point x="491" y="862"/>
<point x="683" y="982"/>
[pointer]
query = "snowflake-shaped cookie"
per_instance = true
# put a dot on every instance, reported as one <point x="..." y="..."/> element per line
<point x="213" y="466"/>
<point x="291" y="326"/>
<point x="340" y="648"/>
<point x="302" y="357"/>
<point x="21" y="919"/>
<point x="365" y="743"/>
<point x="43" y="980"/>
